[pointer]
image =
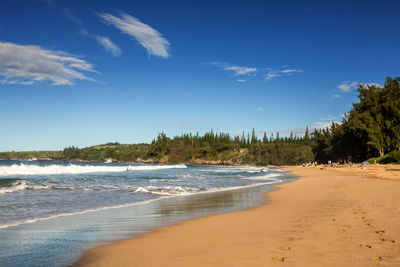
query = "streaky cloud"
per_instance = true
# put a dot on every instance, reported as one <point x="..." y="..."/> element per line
<point x="108" y="45"/>
<point x="347" y="86"/>
<point x="71" y="16"/>
<point x="371" y="84"/>
<point x="188" y="125"/>
<point x="104" y="41"/>
<point x="209" y="121"/>
<point x="336" y="96"/>
<point x="238" y="70"/>
<point x="290" y="71"/>
<point x="29" y="64"/>
<point x="269" y="76"/>
<point x="149" y="38"/>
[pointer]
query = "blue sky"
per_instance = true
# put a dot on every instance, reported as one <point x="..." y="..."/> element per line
<point x="89" y="72"/>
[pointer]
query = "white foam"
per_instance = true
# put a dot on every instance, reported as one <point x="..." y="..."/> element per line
<point x="264" y="177"/>
<point x="166" y="190"/>
<point x="248" y="169"/>
<point x="271" y="181"/>
<point x="28" y="169"/>
<point x="15" y="187"/>
<point x="22" y="185"/>
<point x="178" y="190"/>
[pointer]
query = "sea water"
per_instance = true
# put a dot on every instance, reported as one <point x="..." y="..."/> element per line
<point x="51" y="211"/>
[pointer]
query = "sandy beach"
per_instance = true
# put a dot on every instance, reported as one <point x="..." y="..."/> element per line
<point x="329" y="217"/>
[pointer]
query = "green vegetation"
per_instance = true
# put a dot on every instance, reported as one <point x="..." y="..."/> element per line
<point x="392" y="157"/>
<point x="371" y="129"/>
<point x="115" y="151"/>
<point x="25" y="155"/>
<point x="212" y="147"/>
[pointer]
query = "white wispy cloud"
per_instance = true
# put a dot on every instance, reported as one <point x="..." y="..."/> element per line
<point x="209" y="121"/>
<point x="108" y="45"/>
<point x="271" y="75"/>
<point x="149" y="38"/>
<point x="300" y="131"/>
<point x="104" y="41"/>
<point x="28" y="64"/>
<point x="260" y="109"/>
<point x="237" y="70"/>
<point x="347" y="86"/>
<point x="372" y="84"/>
<point x="330" y="117"/>
<point x="238" y="133"/>
<point x="69" y="15"/>
<point x="322" y="125"/>
<point x="278" y="73"/>
<point x="290" y="71"/>
<point x="188" y="125"/>
<point x="335" y="96"/>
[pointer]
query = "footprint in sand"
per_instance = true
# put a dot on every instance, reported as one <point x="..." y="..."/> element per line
<point x="378" y="258"/>
<point x="285" y="248"/>
<point x="280" y="260"/>
<point x="387" y="240"/>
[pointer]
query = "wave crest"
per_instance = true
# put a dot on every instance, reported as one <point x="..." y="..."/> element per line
<point x="166" y="190"/>
<point x="28" y="169"/>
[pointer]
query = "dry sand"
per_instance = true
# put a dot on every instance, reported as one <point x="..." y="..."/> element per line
<point x="328" y="217"/>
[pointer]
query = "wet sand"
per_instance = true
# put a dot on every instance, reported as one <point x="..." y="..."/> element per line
<point x="328" y="217"/>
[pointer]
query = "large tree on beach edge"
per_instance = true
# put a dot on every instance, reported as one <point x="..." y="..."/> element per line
<point x="375" y="120"/>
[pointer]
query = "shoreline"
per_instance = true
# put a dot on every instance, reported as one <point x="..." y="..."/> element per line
<point x="328" y="217"/>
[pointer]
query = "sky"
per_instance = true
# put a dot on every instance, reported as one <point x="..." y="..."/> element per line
<point x="83" y="73"/>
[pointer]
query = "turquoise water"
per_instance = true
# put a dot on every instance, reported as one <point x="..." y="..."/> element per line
<point x="52" y="211"/>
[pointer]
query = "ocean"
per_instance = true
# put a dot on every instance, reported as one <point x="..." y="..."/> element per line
<point x="51" y="211"/>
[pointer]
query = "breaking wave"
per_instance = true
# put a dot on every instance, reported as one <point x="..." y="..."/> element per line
<point x="21" y="185"/>
<point x="167" y="190"/>
<point x="28" y="169"/>
<point x="179" y="190"/>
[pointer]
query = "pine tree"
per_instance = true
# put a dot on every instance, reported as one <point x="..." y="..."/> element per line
<point x="253" y="137"/>
<point x="243" y="140"/>
<point x="306" y="135"/>
<point x="265" y="139"/>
